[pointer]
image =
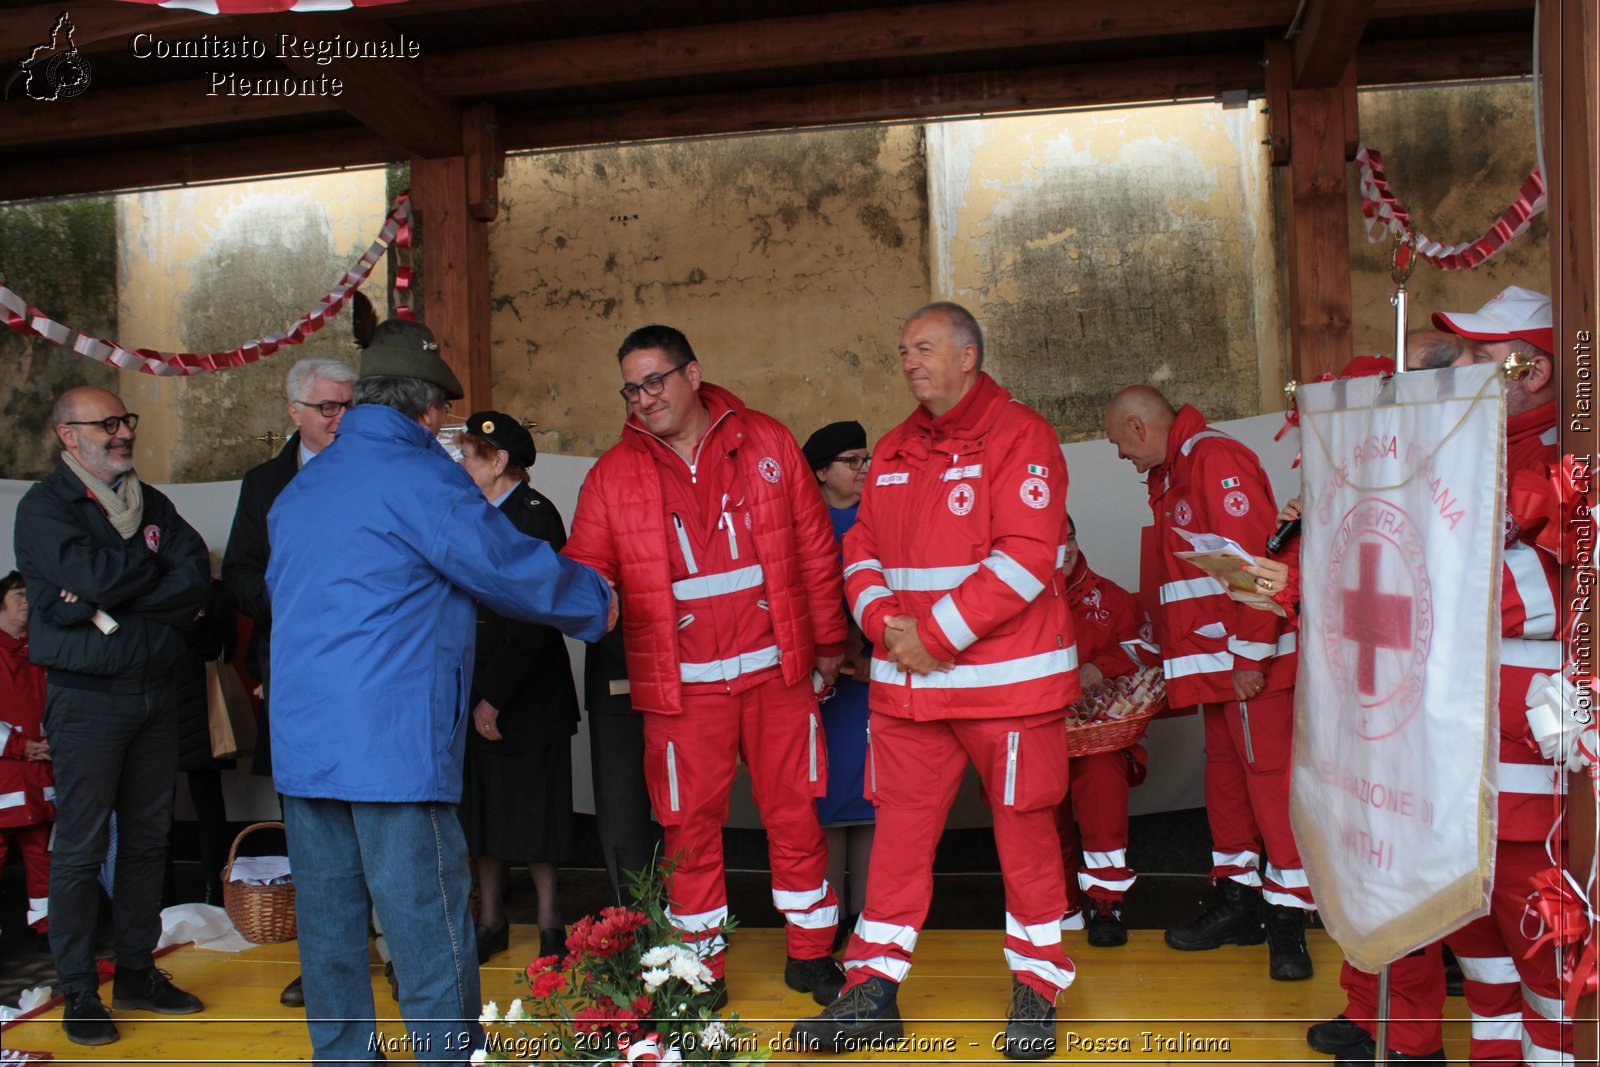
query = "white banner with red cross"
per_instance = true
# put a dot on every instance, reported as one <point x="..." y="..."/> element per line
<point x="1396" y="727"/>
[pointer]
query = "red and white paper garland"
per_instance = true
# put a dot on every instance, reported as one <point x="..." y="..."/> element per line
<point x="397" y="231"/>
<point x="1383" y="209"/>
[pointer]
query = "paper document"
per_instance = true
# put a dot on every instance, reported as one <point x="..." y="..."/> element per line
<point x="1225" y="560"/>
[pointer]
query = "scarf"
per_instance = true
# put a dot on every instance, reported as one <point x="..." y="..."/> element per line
<point x="124" y="508"/>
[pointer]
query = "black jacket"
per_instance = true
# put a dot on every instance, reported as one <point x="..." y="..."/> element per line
<point x="244" y="576"/>
<point x="212" y="636"/>
<point x="153" y="584"/>
<point x="523" y="669"/>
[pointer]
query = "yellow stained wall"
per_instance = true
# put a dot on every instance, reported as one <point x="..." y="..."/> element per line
<point x="788" y="261"/>
<point x="203" y="270"/>
<point x="1103" y="248"/>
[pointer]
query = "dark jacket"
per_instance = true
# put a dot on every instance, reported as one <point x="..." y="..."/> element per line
<point x="603" y="665"/>
<point x="244" y="574"/>
<point x="522" y="668"/>
<point x="153" y="584"/>
<point x="213" y="635"/>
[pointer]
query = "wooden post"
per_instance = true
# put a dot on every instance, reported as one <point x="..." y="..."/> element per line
<point x="1567" y="43"/>
<point x="455" y="274"/>
<point x="1319" y="236"/>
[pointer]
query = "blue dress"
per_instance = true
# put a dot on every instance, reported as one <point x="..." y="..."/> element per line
<point x="844" y="724"/>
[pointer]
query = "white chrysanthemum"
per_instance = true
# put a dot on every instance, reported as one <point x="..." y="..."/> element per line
<point x="659" y="956"/>
<point x="714" y="1034"/>
<point x="491" y="1014"/>
<point x="654" y="978"/>
<point x="516" y="1013"/>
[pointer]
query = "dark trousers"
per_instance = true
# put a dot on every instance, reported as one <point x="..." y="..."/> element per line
<point x="621" y="802"/>
<point x="111" y="752"/>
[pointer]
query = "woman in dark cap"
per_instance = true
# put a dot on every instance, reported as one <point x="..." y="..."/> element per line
<point x="839" y="458"/>
<point x="516" y="806"/>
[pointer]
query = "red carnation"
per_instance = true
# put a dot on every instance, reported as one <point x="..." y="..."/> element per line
<point x="543" y="963"/>
<point x="546" y="984"/>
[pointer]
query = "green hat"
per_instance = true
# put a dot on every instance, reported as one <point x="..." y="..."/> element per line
<point x="405" y="348"/>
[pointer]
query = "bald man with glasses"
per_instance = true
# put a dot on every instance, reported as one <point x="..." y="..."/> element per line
<point x="115" y="580"/>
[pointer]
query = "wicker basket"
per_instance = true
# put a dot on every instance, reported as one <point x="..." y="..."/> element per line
<point x="263" y="913"/>
<point x="1113" y="734"/>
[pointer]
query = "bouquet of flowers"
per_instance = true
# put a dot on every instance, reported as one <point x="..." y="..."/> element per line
<point x="630" y="990"/>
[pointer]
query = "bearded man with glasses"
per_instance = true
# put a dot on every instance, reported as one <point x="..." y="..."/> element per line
<point x="708" y="521"/>
<point x="115" y="580"/>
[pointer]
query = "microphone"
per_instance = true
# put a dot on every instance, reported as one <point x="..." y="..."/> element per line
<point x="1287" y="531"/>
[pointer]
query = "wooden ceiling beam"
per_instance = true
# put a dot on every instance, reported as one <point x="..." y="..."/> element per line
<point x="1433" y="59"/>
<point x="884" y="100"/>
<point x="179" y="104"/>
<point x="248" y="157"/>
<point x="385" y="94"/>
<point x="1326" y="43"/>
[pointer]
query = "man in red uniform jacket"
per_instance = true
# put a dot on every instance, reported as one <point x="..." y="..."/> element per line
<point x="707" y="519"/>
<point x="1106" y="619"/>
<point x="1512" y="977"/>
<point x="952" y="571"/>
<point x="27" y="789"/>
<point x="1228" y="659"/>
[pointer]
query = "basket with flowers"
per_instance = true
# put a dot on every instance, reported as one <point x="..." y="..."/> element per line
<point x="630" y="991"/>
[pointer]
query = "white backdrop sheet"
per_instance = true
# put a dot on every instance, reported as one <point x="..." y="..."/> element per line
<point x="1108" y="503"/>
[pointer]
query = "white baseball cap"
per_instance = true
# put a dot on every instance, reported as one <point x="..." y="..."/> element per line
<point x="1513" y="313"/>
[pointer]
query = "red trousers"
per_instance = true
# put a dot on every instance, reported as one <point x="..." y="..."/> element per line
<point x="913" y="771"/>
<point x="34" y="844"/>
<point x="1513" y="989"/>
<point x="1096" y="806"/>
<point x="689" y="764"/>
<point x="1249" y="753"/>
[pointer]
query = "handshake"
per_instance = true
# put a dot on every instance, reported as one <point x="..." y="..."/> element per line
<point x="906" y="650"/>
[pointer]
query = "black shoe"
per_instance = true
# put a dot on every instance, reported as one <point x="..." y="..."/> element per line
<point x="1337" y="1035"/>
<point x="1031" y="1033"/>
<point x="1234" y="916"/>
<point x="822" y="977"/>
<point x="151" y="990"/>
<point x="85" y="1020"/>
<point x="1287" y="958"/>
<point x="719" y="987"/>
<point x="492" y="939"/>
<point x="1105" y="926"/>
<point x="1363" y="1056"/>
<point x="394" y="981"/>
<point x="552" y="941"/>
<point x="863" y="1014"/>
<point x="294" y="994"/>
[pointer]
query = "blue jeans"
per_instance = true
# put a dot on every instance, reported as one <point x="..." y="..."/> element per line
<point x="412" y="859"/>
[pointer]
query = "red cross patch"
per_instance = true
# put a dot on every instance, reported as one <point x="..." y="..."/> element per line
<point x="1182" y="513"/>
<point x="1236" y="503"/>
<point x="152" y="537"/>
<point x="961" y="499"/>
<point x="1035" y="492"/>
<point x="769" y="469"/>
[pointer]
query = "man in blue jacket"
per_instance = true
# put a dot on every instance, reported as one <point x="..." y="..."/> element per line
<point x="379" y="550"/>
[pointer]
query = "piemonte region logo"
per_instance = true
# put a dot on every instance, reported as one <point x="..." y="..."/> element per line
<point x="53" y="69"/>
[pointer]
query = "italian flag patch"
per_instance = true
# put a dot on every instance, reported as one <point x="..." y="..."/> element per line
<point x="1230" y="483"/>
<point x="1043" y="472"/>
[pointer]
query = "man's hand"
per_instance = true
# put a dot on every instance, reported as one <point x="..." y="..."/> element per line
<point x="828" y="667"/>
<point x="1089" y="675"/>
<point x="37" y="751"/>
<point x="614" y="608"/>
<point x="485" y="717"/>
<point x="69" y="597"/>
<point x="1248" y="684"/>
<point x="906" y="649"/>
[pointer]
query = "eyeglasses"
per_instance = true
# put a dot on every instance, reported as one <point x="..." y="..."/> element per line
<point x="654" y="385"/>
<point x="327" y="408"/>
<point x="855" y="463"/>
<point x="109" y="425"/>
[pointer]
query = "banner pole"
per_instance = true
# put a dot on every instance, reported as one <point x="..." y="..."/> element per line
<point x="1380" y="1038"/>
<point x="1401" y="263"/>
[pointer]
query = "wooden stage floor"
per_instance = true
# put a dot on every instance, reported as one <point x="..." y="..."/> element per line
<point x="1141" y="1003"/>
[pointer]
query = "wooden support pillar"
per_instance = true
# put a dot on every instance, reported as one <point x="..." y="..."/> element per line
<point x="455" y="274"/>
<point x="1319" y="235"/>
<point x="1567" y="51"/>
